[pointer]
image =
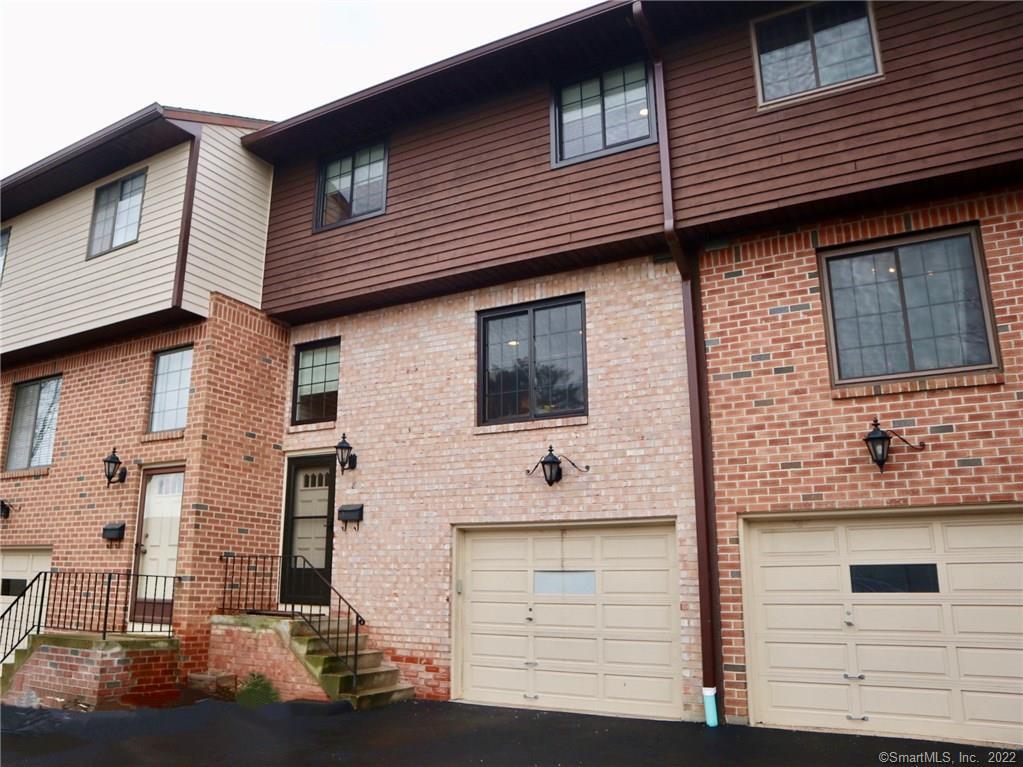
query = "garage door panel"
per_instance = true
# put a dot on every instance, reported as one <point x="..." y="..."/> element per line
<point x="872" y="539"/>
<point x="801" y="542"/>
<point x="795" y="578"/>
<point x="904" y="702"/>
<point x="983" y="536"/>
<point x="985" y="576"/>
<point x="903" y="660"/>
<point x="812" y="656"/>
<point x="988" y="619"/>
<point x="1001" y="663"/>
<point x="901" y="618"/>
<point x="19" y="567"/>
<point x="803" y="617"/>
<point x="809" y="696"/>
<point x="595" y="630"/>
<point x="994" y="708"/>
<point x="513" y="549"/>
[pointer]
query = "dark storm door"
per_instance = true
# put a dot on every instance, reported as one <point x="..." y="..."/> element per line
<point x="308" y="531"/>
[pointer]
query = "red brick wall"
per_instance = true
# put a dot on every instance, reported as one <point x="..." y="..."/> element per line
<point x="243" y="650"/>
<point x="230" y="449"/>
<point x="785" y="440"/>
<point x="96" y="675"/>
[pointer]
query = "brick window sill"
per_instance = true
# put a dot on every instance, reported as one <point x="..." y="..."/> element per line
<point x="304" y="427"/>
<point x="934" y="383"/>
<point x="40" y="471"/>
<point x="160" y="436"/>
<point x="543" y="423"/>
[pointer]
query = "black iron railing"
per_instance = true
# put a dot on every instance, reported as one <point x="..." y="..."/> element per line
<point x="89" y="601"/>
<point x="292" y="586"/>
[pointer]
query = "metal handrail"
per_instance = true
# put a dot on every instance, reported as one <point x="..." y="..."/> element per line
<point x="91" y="601"/>
<point x="258" y="583"/>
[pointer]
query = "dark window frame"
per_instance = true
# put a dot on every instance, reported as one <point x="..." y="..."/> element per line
<point x="530" y="307"/>
<point x="624" y="146"/>
<point x="144" y="172"/>
<point x="321" y="180"/>
<point x="820" y="90"/>
<point x="824" y="255"/>
<point x="5" y="233"/>
<point x="11" y="412"/>
<point x="152" y="393"/>
<point x="309" y="346"/>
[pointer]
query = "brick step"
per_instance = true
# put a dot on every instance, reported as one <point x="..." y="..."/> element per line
<point x="327" y="662"/>
<point x="380" y="696"/>
<point x="313" y="645"/>
<point x="11" y="666"/>
<point x="370" y="679"/>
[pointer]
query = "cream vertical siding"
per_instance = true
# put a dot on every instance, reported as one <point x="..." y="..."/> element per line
<point x="51" y="290"/>
<point x="229" y="218"/>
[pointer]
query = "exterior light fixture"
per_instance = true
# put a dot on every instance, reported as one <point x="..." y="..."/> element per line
<point x="345" y="457"/>
<point x="879" y="441"/>
<point x="552" y="466"/>
<point x="113" y="470"/>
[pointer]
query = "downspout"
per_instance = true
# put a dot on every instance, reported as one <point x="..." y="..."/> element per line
<point x="699" y="421"/>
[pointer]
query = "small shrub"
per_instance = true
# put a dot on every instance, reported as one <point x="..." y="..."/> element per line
<point x="256" y="690"/>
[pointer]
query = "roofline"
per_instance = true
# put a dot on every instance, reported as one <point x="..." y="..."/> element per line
<point x="215" y="118"/>
<point x="133" y="121"/>
<point x="432" y="69"/>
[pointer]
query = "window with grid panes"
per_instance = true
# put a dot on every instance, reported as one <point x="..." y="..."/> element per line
<point x="352" y="186"/>
<point x="117" y="213"/>
<point x="316" y="382"/>
<point x="172" y="380"/>
<point x="33" y="424"/>
<point x="533" y="361"/>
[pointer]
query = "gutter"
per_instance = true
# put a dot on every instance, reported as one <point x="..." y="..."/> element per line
<point x="687" y="261"/>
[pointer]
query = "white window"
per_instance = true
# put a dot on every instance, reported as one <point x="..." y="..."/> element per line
<point x="5" y="238"/>
<point x="171" y="382"/>
<point x="814" y="47"/>
<point x="116" y="214"/>
<point x="34" y="424"/>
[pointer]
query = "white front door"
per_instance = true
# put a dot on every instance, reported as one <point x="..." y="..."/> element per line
<point x="158" y="545"/>
<point x="577" y="619"/>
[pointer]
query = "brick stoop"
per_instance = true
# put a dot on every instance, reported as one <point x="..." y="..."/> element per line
<point x="377" y="685"/>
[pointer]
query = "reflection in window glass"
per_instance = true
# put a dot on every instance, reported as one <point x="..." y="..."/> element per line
<point x="353" y="185"/>
<point x="565" y="582"/>
<point x="813" y="47"/>
<point x="603" y="111"/>
<point x="171" y="385"/>
<point x="117" y="213"/>
<point x="915" y="307"/>
<point x="316" y="383"/>
<point x="915" y="578"/>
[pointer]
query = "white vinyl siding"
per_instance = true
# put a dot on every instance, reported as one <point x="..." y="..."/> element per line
<point x="229" y="219"/>
<point x="33" y="424"/>
<point x="52" y="289"/>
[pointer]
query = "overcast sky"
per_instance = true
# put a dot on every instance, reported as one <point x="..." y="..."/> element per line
<point x="70" y="68"/>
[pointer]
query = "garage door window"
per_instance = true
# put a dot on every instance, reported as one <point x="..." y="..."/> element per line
<point x="914" y="578"/>
<point x="565" y="582"/>
<point x="12" y="587"/>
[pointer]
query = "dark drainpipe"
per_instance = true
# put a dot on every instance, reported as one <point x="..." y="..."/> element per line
<point x="687" y="261"/>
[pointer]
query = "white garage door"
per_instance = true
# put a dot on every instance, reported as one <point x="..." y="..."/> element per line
<point x="911" y="626"/>
<point x="17" y="568"/>
<point x="574" y="619"/>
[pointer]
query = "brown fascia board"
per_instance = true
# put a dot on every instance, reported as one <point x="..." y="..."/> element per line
<point x="146" y="132"/>
<point x="257" y="141"/>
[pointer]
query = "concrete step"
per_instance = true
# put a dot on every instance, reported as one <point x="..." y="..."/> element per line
<point x="11" y="666"/>
<point x="380" y="696"/>
<point x="337" y="644"/>
<point x="304" y="626"/>
<point x="326" y="662"/>
<point x="337" y="684"/>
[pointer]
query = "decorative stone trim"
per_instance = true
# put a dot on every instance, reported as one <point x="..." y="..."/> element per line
<point x="39" y="471"/>
<point x="963" y="380"/>
<point x="542" y="423"/>
<point x="162" y="436"/>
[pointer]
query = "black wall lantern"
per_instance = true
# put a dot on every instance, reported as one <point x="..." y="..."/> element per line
<point x="113" y="470"/>
<point x="552" y="466"/>
<point x="879" y="441"/>
<point x="345" y="457"/>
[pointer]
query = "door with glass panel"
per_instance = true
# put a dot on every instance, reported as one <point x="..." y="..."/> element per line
<point x="308" y="532"/>
<point x="157" y="548"/>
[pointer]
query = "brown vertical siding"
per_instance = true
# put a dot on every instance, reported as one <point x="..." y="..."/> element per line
<point x="465" y="191"/>
<point x="951" y="99"/>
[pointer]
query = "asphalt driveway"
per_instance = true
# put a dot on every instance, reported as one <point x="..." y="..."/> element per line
<point x="423" y="734"/>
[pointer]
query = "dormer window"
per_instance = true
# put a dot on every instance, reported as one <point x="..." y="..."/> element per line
<point x="352" y="186"/>
<point x="116" y="214"/>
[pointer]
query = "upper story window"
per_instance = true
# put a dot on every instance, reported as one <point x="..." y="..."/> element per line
<point x="909" y="307"/>
<point x="5" y="238"/>
<point x="116" y="214"/>
<point x="172" y="380"/>
<point x="814" y="47"/>
<point x="603" y="114"/>
<point x="314" y="394"/>
<point x="34" y="423"/>
<point x="352" y="186"/>
<point x="532" y="361"/>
